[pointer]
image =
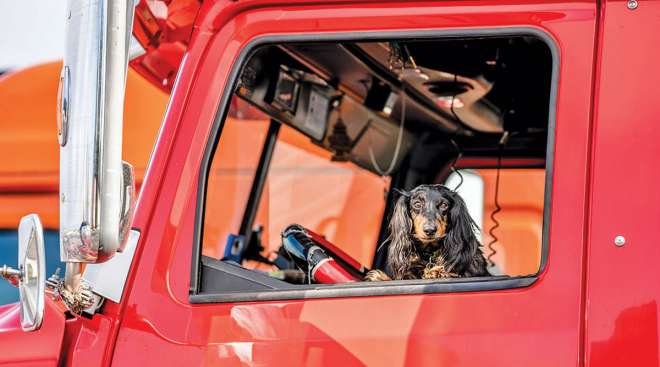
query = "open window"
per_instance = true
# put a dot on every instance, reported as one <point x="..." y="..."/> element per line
<point x="509" y="211"/>
<point x="319" y="136"/>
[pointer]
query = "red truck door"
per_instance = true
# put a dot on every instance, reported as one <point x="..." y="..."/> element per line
<point x="623" y="287"/>
<point x="536" y="323"/>
<point x="41" y="347"/>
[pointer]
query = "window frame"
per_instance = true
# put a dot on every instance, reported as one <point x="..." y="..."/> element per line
<point x="366" y="289"/>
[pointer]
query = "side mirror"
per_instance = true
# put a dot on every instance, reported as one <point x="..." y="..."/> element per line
<point x="30" y="277"/>
<point x="95" y="203"/>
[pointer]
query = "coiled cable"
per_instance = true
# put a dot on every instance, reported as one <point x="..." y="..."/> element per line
<point x="498" y="208"/>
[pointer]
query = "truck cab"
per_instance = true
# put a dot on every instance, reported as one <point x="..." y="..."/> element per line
<point x="321" y="115"/>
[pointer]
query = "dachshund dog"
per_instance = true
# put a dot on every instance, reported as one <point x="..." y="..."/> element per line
<point x="431" y="236"/>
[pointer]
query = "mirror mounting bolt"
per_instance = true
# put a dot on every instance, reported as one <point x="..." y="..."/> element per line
<point x="10" y="274"/>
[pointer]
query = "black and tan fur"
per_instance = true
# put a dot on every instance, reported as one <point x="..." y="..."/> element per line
<point x="431" y="235"/>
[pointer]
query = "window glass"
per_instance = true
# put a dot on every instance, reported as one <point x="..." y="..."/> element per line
<point x="470" y="186"/>
<point x="232" y="172"/>
<point x="338" y="200"/>
<point x="517" y="249"/>
<point x="315" y="126"/>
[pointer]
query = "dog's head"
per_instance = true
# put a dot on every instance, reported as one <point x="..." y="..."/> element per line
<point x="429" y="215"/>
<point x="428" y="207"/>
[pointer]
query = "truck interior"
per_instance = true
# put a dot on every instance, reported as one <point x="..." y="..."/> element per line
<point x="323" y="134"/>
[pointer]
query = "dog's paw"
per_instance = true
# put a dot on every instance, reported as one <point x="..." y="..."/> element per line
<point x="376" y="276"/>
<point x="436" y="272"/>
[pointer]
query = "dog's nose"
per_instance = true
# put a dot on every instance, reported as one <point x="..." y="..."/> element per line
<point x="429" y="229"/>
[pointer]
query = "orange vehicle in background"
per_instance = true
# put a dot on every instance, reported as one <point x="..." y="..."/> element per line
<point x="29" y="179"/>
<point x="29" y="167"/>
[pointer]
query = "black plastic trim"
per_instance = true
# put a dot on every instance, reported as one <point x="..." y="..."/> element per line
<point x="391" y="287"/>
<point x="398" y="85"/>
<point x="259" y="179"/>
<point x="240" y="278"/>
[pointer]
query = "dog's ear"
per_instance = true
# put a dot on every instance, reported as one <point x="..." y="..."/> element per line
<point x="402" y="192"/>
<point x="461" y="240"/>
<point x="401" y="247"/>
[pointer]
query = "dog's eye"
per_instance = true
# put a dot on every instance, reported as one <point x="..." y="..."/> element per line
<point x="443" y="206"/>
<point x="417" y="205"/>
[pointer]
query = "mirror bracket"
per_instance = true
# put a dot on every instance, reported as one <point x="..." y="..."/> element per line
<point x="13" y="276"/>
<point x="79" y="299"/>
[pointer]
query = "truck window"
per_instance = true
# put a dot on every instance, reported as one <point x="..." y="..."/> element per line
<point x="232" y="171"/>
<point x="512" y="236"/>
<point x="330" y="160"/>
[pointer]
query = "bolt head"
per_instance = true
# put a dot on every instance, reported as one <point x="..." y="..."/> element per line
<point x="619" y="241"/>
<point x="632" y="4"/>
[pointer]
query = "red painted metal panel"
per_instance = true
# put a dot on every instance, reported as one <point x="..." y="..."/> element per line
<point x="538" y="325"/>
<point x="36" y="348"/>
<point x="624" y="282"/>
<point x="89" y="342"/>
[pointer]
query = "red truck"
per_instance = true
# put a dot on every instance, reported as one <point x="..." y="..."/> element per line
<point x="383" y="96"/>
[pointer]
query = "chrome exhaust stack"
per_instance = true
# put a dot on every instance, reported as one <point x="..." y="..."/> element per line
<point x="97" y="190"/>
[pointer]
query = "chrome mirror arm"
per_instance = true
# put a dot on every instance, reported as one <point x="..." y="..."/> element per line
<point x="13" y="276"/>
<point x="95" y="185"/>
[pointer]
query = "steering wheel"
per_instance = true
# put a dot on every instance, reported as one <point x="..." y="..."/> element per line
<point x="324" y="262"/>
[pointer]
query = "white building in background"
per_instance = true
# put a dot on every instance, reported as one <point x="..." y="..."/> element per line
<point x="31" y="32"/>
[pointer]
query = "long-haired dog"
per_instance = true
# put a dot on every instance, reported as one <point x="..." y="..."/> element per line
<point x="431" y="235"/>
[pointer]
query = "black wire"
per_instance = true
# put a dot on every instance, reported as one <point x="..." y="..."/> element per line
<point x="498" y="209"/>
<point x="458" y="148"/>
<point x="451" y="107"/>
<point x="459" y="154"/>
